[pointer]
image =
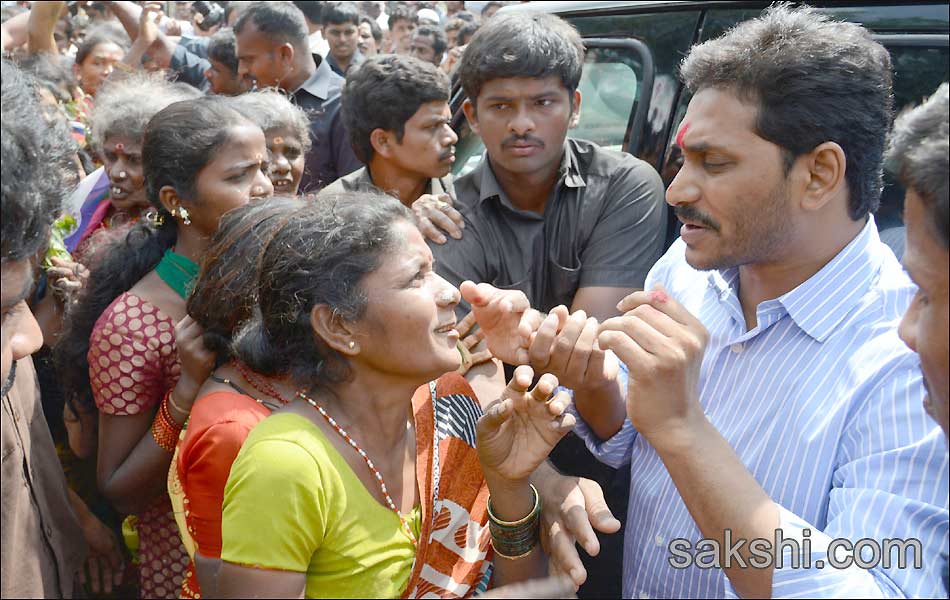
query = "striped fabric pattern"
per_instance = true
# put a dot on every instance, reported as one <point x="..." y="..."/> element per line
<point x="822" y="403"/>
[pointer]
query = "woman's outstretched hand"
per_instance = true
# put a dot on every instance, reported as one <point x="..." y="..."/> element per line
<point x="517" y="432"/>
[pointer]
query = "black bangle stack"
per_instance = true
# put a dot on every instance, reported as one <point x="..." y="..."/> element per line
<point x="515" y="539"/>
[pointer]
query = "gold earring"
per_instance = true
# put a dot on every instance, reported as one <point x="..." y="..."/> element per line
<point x="352" y="345"/>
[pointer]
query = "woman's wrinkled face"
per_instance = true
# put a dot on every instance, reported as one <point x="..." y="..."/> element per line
<point x="233" y="176"/>
<point x="408" y="329"/>
<point x="286" y="160"/>
<point x="122" y="160"/>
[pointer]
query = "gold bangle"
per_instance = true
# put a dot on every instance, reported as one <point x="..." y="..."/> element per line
<point x="518" y="557"/>
<point x="530" y="516"/>
<point x="173" y="404"/>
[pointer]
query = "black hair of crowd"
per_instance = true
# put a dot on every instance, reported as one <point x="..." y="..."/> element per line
<point x="225" y="292"/>
<point x="311" y="9"/>
<point x="521" y="45"/>
<point x="35" y="158"/>
<point x="49" y="71"/>
<point x="374" y="29"/>
<point x="280" y="22"/>
<point x="222" y="48"/>
<point x="383" y="93"/>
<point x="439" y="41"/>
<point x="814" y="80"/>
<point x="340" y="13"/>
<point x="919" y="155"/>
<point x="180" y="141"/>
<point x="466" y="32"/>
<point x="401" y="12"/>
<point x="319" y="255"/>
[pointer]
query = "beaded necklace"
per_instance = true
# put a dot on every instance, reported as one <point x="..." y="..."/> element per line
<point x="259" y="384"/>
<point x="365" y="457"/>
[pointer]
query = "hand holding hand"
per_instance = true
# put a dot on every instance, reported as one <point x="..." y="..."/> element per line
<point x="567" y="347"/>
<point x="434" y="214"/>
<point x="506" y="319"/>
<point x="517" y="432"/>
<point x="662" y="345"/>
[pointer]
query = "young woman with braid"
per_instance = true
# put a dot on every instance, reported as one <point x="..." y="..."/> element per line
<point x="201" y="159"/>
<point x="370" y="476"/>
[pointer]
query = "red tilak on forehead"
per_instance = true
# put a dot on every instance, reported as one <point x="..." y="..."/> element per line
<point x="679" y="136"/>
<point x="120" y="147"/>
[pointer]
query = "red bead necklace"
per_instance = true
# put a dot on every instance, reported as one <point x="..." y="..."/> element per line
<point x="365" y="457"/>
<point x="259" y="384"/>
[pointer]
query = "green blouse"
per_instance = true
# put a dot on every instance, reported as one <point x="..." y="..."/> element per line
<point x="293" y="503"/>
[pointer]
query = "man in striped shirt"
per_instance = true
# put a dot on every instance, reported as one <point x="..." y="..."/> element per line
<point x="768" y="393"/>
<point x="919" y="154"/>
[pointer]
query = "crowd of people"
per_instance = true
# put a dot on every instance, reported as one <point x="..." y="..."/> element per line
<point x="257" y="342"/>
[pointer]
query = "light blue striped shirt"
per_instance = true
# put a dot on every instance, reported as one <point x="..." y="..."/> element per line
<point x="822" y="403"/>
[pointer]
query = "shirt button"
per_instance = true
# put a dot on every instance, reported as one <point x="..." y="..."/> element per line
<point x="49" y="531"/>
<point x="659" y="540"/>
<point x="736" y="348"/>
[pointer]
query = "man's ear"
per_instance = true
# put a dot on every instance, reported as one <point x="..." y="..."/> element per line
<point x="382" y="142"/>
<point x="468" y="107"/>
<point x="576" y="109"/>
<point x="169" y="198"/>
<point x="824" y="175"/>
<point x="286" y="53"/>
<point x="336" y="332"/>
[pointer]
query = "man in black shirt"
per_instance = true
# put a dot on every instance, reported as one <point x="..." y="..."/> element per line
<point x="272" y="47"/>
<point x="563" y="220"/>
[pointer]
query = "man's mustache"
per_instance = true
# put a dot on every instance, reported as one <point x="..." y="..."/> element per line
<point x="522" y="140"/>
<point x="686" y="212"/>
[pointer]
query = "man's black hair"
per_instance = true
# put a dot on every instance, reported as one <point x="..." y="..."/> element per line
<point x="374" y="29"/>
<point x="919" y="155"/>
<point x="49" y="71"/>
<point x="311" y="9"/>
<point x="522" y="45"/>
<point x="280" y="22"/>
<point x="466" y="32"/>
<point x="340" y="13"/>
<point x="222" y="48"/>
<point x="33" y="160"/>
<point x="814" y="80"/>
<point x="401" y="12"/>
<point x="439" y="41"/>
<point x="384" y="92"/>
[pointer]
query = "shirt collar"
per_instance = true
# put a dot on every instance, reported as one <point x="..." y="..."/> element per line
<point x="318" y="84"/>
<point x="824" y="300"/>
<point x="568" y="173"/>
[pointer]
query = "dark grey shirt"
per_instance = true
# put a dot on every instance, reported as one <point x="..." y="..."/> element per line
<point x="604" y="225"/>
<point x="331" y="155"/>
<point x="360" y="180"/>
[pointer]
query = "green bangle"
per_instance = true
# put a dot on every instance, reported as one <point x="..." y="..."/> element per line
<point x="515" y="539"/>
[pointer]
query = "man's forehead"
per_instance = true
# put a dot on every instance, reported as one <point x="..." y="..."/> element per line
<point x="522" y="85"/>
<point x="717" y="118"/>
